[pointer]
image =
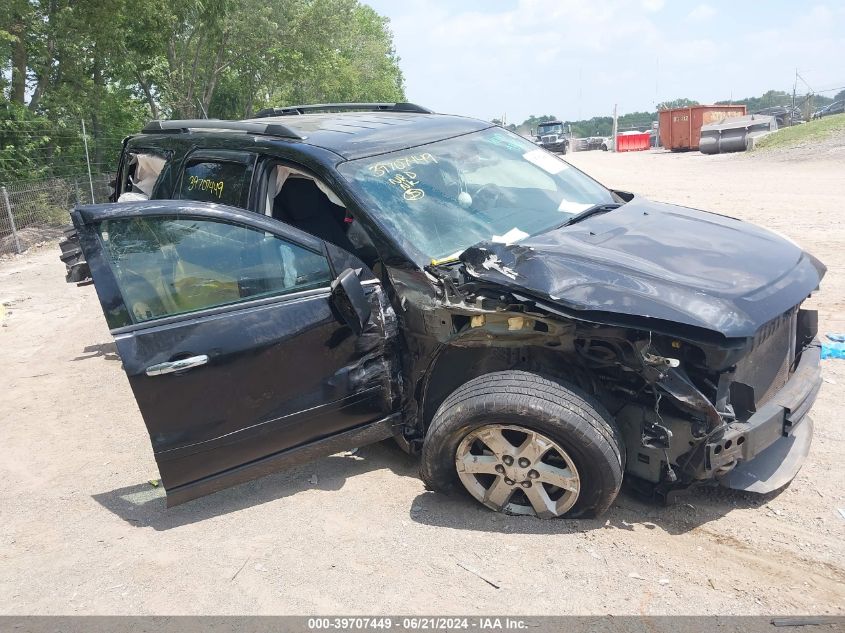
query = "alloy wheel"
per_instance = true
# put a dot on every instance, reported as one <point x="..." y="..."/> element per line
<point x="517" y="470"/>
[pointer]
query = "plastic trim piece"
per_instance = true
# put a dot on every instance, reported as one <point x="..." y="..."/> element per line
<point x="184" y="126"/>
<point x="776" y="466"/>
<point x="344" y="107"/>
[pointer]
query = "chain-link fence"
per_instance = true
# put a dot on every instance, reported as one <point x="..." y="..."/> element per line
<point x="36" y="210"/>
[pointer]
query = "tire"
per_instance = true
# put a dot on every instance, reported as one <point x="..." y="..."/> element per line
<point x="586" y="443"/>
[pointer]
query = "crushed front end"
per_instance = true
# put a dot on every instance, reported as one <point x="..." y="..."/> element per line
<point x="687" y="326"/>
<point x="736" y="415"/>
<point x="703" y="388"/>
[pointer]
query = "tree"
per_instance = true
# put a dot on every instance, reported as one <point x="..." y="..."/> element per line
<point x="681" y="102"/>
<point x="264" y="52"/>
<point x="21" y="153"/>
<point x="343" y="51"/>
<point x="115" y="64"/>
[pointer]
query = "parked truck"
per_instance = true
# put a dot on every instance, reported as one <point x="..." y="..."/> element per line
<point x="551" y="135"/>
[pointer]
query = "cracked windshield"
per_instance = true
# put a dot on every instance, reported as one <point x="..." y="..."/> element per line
<point x="443" y="197"/>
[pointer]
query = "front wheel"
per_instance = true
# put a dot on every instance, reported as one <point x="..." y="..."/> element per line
<point x="521" y="443"/>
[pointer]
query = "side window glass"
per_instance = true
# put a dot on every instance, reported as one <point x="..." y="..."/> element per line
<point x="167" y="266"/>
<point x="214" y="181"/>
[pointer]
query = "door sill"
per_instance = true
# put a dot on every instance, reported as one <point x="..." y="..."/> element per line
<point x="358" y="436"/>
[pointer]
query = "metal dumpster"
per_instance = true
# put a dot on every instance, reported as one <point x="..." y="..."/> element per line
<point x="680" y="128"/>
<point x="735" y="133"/>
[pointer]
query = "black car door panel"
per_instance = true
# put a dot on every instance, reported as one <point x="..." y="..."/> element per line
<point x="230" y="339"/>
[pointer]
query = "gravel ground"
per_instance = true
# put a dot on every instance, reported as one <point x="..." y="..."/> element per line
<point x="83" y="532"/>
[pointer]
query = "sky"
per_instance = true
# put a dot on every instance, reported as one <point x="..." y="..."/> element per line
<point x="575" y="59"/>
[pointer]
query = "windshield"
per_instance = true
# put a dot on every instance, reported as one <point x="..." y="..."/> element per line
<point x="550" y="129"/>
<point x="441" y="198"/>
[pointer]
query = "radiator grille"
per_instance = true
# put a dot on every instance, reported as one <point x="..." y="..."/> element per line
<point x="766" y="368"/>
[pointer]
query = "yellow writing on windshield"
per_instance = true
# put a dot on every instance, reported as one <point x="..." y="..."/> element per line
<point x="383" y="168"/>
<point x="407" y="182"/>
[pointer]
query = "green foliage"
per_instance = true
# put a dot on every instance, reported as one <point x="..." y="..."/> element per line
<point x="808" y="133"/>
<point x="596" y="126"/>
<point x="603" y="126"/>
<point x="44" y="206"/>
<point x="22" y="153"/>
<point x="339" y="50"/>
<point x="116" y="64"/>
<point x="768" y="99"/>
<point x="682" y="102"/>
<point x="807" y="103"/>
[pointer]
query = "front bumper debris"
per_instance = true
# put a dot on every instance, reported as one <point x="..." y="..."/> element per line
<point x="776" y="466"/>
<point x="558" y="147"/>
<point x="770" y="447"/>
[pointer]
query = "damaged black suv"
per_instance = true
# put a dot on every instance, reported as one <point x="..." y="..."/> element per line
<point x="323" y="277"/>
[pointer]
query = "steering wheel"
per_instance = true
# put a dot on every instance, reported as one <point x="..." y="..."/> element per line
<point x="489" y="189"/>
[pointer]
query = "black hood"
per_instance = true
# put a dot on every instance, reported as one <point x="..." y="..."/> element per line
<point x="657" y="261"/>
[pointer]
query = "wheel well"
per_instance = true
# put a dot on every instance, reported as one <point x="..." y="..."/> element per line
<point x="456" y="365"/>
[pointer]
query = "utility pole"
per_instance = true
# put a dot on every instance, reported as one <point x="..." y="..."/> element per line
<point x="580" y="93"/>
<point x="615" y="127"/>
<point x="88" y="160"/>
<point x="794" y="89"/>
<point x="657" y="80"/>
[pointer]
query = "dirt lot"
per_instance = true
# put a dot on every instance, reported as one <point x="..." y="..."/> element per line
<point x="83" y="531"/>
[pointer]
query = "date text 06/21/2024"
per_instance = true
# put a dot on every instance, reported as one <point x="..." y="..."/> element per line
<point x="418" y="623"/>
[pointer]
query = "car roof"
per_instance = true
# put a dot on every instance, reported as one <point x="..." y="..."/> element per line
<point x="358" y="134"/>
<point x="348" y="134"/>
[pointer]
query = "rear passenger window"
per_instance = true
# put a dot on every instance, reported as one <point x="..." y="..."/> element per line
<point x="166" y="266"/>
<point x="215" y="181"/>
<point x="140" y="172"/>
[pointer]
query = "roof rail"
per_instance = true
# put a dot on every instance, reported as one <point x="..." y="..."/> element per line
<point x="344" y="107"/>
<point x="186" y="125"/>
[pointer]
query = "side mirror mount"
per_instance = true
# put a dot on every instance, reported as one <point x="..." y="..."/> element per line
<point x="350" y="301"/>
<point x="626" y="196"/>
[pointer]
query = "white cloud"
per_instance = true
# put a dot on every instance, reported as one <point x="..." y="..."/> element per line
<point x="701" y="12"/>
<point x="653" y="5"/>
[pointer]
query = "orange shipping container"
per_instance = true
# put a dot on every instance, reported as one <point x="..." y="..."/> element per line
<point x="680" y="128"/>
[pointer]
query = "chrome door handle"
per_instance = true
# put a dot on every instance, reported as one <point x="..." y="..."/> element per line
<point x="176" y="365"/>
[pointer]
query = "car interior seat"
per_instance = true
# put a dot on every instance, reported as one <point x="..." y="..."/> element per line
<point x="300" y="203"/>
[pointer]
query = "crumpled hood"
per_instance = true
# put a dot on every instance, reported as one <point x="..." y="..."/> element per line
<point x="661" y="261"/>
